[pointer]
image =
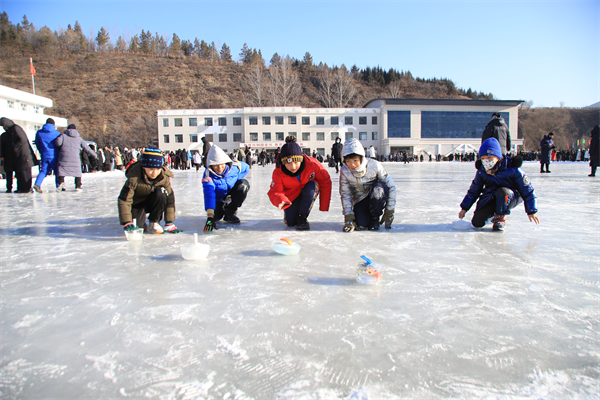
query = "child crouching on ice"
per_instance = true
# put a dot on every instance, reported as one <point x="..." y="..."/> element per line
<point x="148" y="190"/>
<point x="500" y="185"/>
<point x="297" y="181"/>
<point x="224" y="188"/>
<point x="366" y="189"/>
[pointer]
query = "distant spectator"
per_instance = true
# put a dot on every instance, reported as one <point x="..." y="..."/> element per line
<point x="17" y="156"/>
<point x="594" y="150"/>
<point x="498" y="129"/>
<point x="68" y="160"/>
<point x="547" y="144"/>
<point x="44" y="139"/>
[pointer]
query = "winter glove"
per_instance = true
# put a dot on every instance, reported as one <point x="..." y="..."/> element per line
<point x="388" y="218"/>
<point x="128" y="227"/>
<point x="210" y="224"/>
<point x="171" y="228"/>
<point x="349" y="223"/>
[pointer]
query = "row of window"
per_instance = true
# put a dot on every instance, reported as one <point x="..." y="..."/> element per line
<point x="237" y="121"/>
<point x="266" y="136"/>
<point x="11" y="104"/>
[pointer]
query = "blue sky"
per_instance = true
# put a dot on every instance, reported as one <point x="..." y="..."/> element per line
<point x="544" y="51"/>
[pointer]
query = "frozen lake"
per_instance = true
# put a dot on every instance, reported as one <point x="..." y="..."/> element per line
<point x="461" y="314"/>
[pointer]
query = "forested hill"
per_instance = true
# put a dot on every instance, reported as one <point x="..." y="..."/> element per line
<point x="112" y="92"/>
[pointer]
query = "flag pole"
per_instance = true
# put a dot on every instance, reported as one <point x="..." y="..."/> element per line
<point x="32" y="74"/>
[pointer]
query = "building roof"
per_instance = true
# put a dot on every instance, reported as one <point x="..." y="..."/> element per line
<point x="446" y="102"/>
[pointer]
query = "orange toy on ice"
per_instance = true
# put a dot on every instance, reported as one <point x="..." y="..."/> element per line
<point x="286" y="247"/>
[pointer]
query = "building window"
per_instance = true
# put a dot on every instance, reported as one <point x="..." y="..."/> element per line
<point x="254" y="136"/>
<point x="222" y="137"/>
<point x="348" y="120"/>
<point x="335" y="120"/>
<point x="237" y="137"/>
<point x="305" y="120"/>
<point x="362" y="120"/>
<point x="165" y="122"/>
<point x="23" y="107"/>
<point x="305" y="135"/>
<point x="320" y="135"/>
<point x="279" y="120"/>
<point x="399" y="124"/>
<point x="266" y="120"/>
<point x="362" y="136"/>
<point x="253" y="120"/>
<point x="335" y="135"/>
<point x="193" y="138"/>
<point x="348" y="135"/>
<point x="374" y="120"/>
<point x="279" y="136"/>
<point x="178" y="138"/>
<point x="11" y="104"/>
<point x="267" y="136"/>
<point x="292" y="120"/>
<point x="237" y="121"/>
<point x="165" y="138"/>
<point x="320" y="120"/>
<point x="454" y="124"/>
<point x="178" y="122"/>
<point x="222" y="121"/>
<point x="294" y="134"/>
<point x="321" y="151"/>
<point x="208" y="121"/>
<point x="193" y="122"/>
<point x="374" y="135"/>
<point x="36" y="109"/>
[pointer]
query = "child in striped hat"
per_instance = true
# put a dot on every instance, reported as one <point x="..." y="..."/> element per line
<point x="148" y="191"/>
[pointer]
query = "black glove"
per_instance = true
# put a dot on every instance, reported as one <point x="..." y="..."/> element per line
<point x="210" y="224"/>
<point x="349" y="223"/>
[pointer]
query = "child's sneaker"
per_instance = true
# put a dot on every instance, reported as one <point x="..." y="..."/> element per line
<point x="61" y="188"/>
<point x="154" y="228"/>
<point x="499" y="222"/>
<point x="38" y="189"/>
<point x="231" y="218"/>
<point x="78" y="189"/>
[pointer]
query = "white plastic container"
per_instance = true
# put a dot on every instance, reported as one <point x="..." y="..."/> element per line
<point x="368" y="272"/>
<point x="196" y="251"/>
<point x="135" y="235"/>
<point x="286" y="247"/>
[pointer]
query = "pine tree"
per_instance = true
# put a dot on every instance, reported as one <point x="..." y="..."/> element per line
<point x="225" y="53"/>
<point x="134" y="44"/>
<point x="102" y="38"/>
<point x="275" y="60"/>
<point x="121" y="45"/>
<point x="175" y="47"/>
<point x="245" y="54"/>
<point x="307" y="61"/>
<point x="145" y="42"/>
<point x="204" y="50"/>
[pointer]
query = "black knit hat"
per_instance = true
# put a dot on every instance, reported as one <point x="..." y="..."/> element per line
<point x="290" y="151"/>
<point x="152" y="158"/>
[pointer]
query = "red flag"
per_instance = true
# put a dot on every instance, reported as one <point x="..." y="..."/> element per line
<point x="31" y="67"/>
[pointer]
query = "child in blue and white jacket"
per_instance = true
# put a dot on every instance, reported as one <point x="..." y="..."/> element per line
<point x="224" y="188"/>
<point x="499" y="185"/>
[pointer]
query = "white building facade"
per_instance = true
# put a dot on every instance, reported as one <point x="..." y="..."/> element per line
<point x="27" y="110"/>
<point x="415" y="126"/>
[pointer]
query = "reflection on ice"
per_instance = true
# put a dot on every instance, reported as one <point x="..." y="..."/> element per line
<point x="462" y="313"/>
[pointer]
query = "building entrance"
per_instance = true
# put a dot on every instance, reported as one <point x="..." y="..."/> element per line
<point x="402" y="149"/>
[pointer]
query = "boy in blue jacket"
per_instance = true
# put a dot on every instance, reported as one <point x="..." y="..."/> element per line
<point x="224" y="188"/>
<point x="500" y="185"/>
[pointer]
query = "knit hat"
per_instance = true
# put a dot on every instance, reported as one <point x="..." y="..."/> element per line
<point x="71" y="126"/>
<point x="490" y="147"/>
<point x="152" y="158"/>
<point x="291" y="151"/>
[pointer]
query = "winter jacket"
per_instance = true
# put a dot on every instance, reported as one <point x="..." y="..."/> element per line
<point x="595" y="147"/>
<point x="15" y="147"/>
<point x="215" y="186"/>
<point x="336" y="151"/>
<point x="285" y="188"/>
<point x="69" y="144"/>
<point x="137" y="188"/>
<point x="44" y="141"/>
<point x="547" y="145"/>
<point x="498" y="129"/>
<point x="507" y="175"/>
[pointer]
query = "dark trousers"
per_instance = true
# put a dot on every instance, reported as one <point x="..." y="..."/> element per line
<point x="23" y="180"/>
<point x="371" y="206"/>
<point x="337" y="160"/>
<point x="594" y="169"/>
<point x="155" y="205"/>
<point x="234" y="199"/>
<point x="547" y="167"/>
<point x="302" y="204"/>
<point x="61" y="179"/>
<point x="505" y="200"/>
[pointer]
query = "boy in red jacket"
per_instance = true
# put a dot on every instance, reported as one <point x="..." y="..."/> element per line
<point x="297" y="181"/>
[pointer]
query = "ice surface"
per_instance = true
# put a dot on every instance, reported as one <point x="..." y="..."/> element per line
<point x="459" y="313"/>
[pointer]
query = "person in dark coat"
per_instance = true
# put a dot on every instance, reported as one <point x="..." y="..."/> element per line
<point x="17" y="156"/>
<point x="68" y="163"/>
<point x="336" y="153"/>
<point x="547" y="144"/>
<point x="205" y="149"/>
<point x="498" y="129"/>
<point x="183" y="159"/>
<point x="248" y="157"/>
<point x="594" y="150"/>
<point x="44" y="141"/>
<point x="108" y="157"/>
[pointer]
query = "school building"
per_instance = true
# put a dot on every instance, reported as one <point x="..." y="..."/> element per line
<point x="416" y="126"/>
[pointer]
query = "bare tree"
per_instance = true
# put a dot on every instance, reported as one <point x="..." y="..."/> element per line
<point x="343" y="87"/>
<point x="284" y="84"/>
<point x="254" y="86"/>
<point x="326" y="83"/>
<point x="394" y="88"/>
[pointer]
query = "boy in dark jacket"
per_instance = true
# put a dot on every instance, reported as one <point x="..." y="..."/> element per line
<point x="500" y="185"/>
<point x="148" y="190"/>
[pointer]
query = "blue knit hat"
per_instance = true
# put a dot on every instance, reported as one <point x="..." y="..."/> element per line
<point x="152" y="158"/>
<point x="490" y="147"/>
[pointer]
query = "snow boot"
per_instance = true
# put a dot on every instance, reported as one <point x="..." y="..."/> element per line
<point x="230" y="216"/>
<point x="302" y="223"/>
<point x="374" y="223"/>
<point x="499" y="222"/>
<point x="38" y="189"/>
